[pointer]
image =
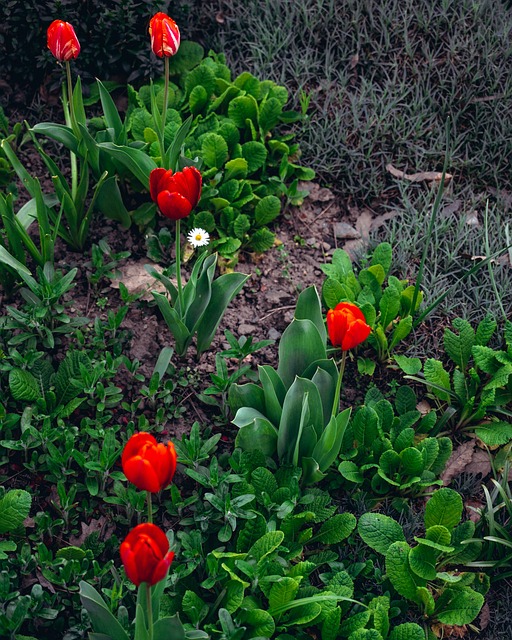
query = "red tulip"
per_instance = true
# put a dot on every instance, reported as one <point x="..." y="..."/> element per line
<point x="176" y="193"/>
<point x="165" y="35"/>
<point x="347" y="326"/>
<point x="145" y="554"/>
<point x="62" y="41"/>
<point x="149" y="465"/>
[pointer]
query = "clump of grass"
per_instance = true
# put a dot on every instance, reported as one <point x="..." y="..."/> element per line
<point x="382" y="78"/>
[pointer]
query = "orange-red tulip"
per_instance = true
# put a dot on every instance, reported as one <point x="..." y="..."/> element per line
<point x="165" y="35"/>
<point x="176" y="193"/>
<point x="347" y="326"/>
<point x="62" y="41"/>
<point x="145" y="554"/>
<point x="149" y="465"/>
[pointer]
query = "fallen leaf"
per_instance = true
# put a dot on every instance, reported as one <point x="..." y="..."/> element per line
<point x="423" y="407"/>
<point x="447" y="631"/>
<point x="423" y="176"/>
<point x="458" y="461"/>
<point x="473" y="509"/>
<point x="100" y="525"/>
<point x="485" y="617"/>
<point x="137" y="280"/>
<point x="480" y="463"/>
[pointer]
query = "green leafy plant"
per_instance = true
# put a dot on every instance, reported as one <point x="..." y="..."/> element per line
<point x="477" y="391"/>
<point x="385" y="453"/>
<point x="199" y="310"/>
<point x="385" y="301"/>
<point x="43" y="316"/>
<point x="431" y="573"/>
<point x="293" y="411"/>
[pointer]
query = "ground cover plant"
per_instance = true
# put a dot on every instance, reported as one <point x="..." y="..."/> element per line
<point x="216" y="422"/>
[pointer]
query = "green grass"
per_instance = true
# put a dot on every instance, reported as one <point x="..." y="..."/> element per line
<point x="382" y="78"/>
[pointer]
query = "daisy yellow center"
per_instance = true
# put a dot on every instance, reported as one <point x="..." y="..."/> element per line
<point x="199" y="236"/>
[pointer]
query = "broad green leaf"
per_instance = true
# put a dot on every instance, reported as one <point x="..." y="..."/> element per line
<point x="494" y="433"/>
<point x="102" y="619"/>
<point x="262" y="240"/>
<point x="267" y="209"/>
<point x="382" y="255"/>
<point x="236" y="169"/>
<point x="266" y="545"/>
<point x="350" y="471"/>
<point x="255" y="153"/>
<point x="331" y="624"/>
<point x="389" y="306"/>
<point x="336" y="529"/>
<point x="422" y="561"/>
<point x="458" y="347"/>
<point x="259" y="435"/>
<point x="135" y="160"/>
<point x="365" y="634"/>
<point x="261" y="623"/>
<point x="399" y="572"/>
<point x="202" y="76"/>
<point x="263" y="481"/>
<point x="14" y="508"/>
<point x="379" y="531"/>
<point x="435" y="372"/>
<point x="193" y="607"/>
<point x="23" y="385"/>
<point x="309" y="307"/>
<point x="354" y="622"/>
<point x="412" y="461"/>
<point x="407" y="631"/>
<point x="301" y="344"/>
<point x="365" y="426"/>
<point x="444" y="508"/>
<point x="270" y="111"/>
<point x="283" y="592"/>
<point x="458" y="606"/>
<point x="214" y="150"/>
<point x="241" y="109"/>
<point x="166" y="628"/>
<point x="401" y="331"/>
<point x="485" y="330"/>
<point x="234" y="596"/>
<point x="410" y="366"/>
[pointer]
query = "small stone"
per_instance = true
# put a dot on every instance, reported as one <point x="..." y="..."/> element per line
<point x="245" y="329"/>
<point x="346" y="231"/>
<point x="311" y="242"/>
<point x="274" y="334"/>
<point x="472" y="219"/>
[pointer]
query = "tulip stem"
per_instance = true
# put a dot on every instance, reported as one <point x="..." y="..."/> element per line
<point x="336" y="403"/>
<point x="150" y="507"/>
<point x="69" y="116"/>
<point x="150" y="611"/>
<point x="164" y="110"/>
<point x="178" y="267"/>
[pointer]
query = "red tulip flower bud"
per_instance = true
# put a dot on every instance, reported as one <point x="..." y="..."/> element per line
<point x="347" y="326"/>
<point x="176" y="193"/>
<point x="147" y="464"/>
<point x="62" y="41"/>
<point x="145" y="554"/>
<point x="165" y="35"/>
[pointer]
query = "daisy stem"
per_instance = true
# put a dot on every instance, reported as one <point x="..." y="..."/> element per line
<point x="69" y="116"/>
<point x="336" y="403"/>
<point x="178" y="267"/>
<point x="150" y="507"/>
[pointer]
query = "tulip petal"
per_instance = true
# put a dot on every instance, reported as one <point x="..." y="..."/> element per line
<point x="162" y="568"/>
<point x="155" y="178"/>
<point x="130" y="564"/>
<point x="173" y="205"/>
<point x="140" y="473"/>
<point x="357" y="333"/>
<point x="135" y="444"/>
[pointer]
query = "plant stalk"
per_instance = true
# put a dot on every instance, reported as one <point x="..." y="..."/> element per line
<point x="150" y="507"/>
<point x="178" y="267"/>
<point x="336" y="403"/>
<point x="150" y="611"/>
<point x="69" y="115"/>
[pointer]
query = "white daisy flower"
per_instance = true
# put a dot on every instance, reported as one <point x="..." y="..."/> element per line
<point x="198" y="237"/>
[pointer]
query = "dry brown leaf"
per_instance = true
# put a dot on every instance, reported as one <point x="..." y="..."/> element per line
<point x="458" y="461"/>
<point x="485" y="617"/>
<point x="423" y="176"/>
<point x="137" y="280"/>
<point x="480" y="463"/>
<point x="101" y="525"/>
<point x="472" y="509"/>
<point x="447" y="631"/>
<point x="379" y="221"/>
<point x="423" y="407"/>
